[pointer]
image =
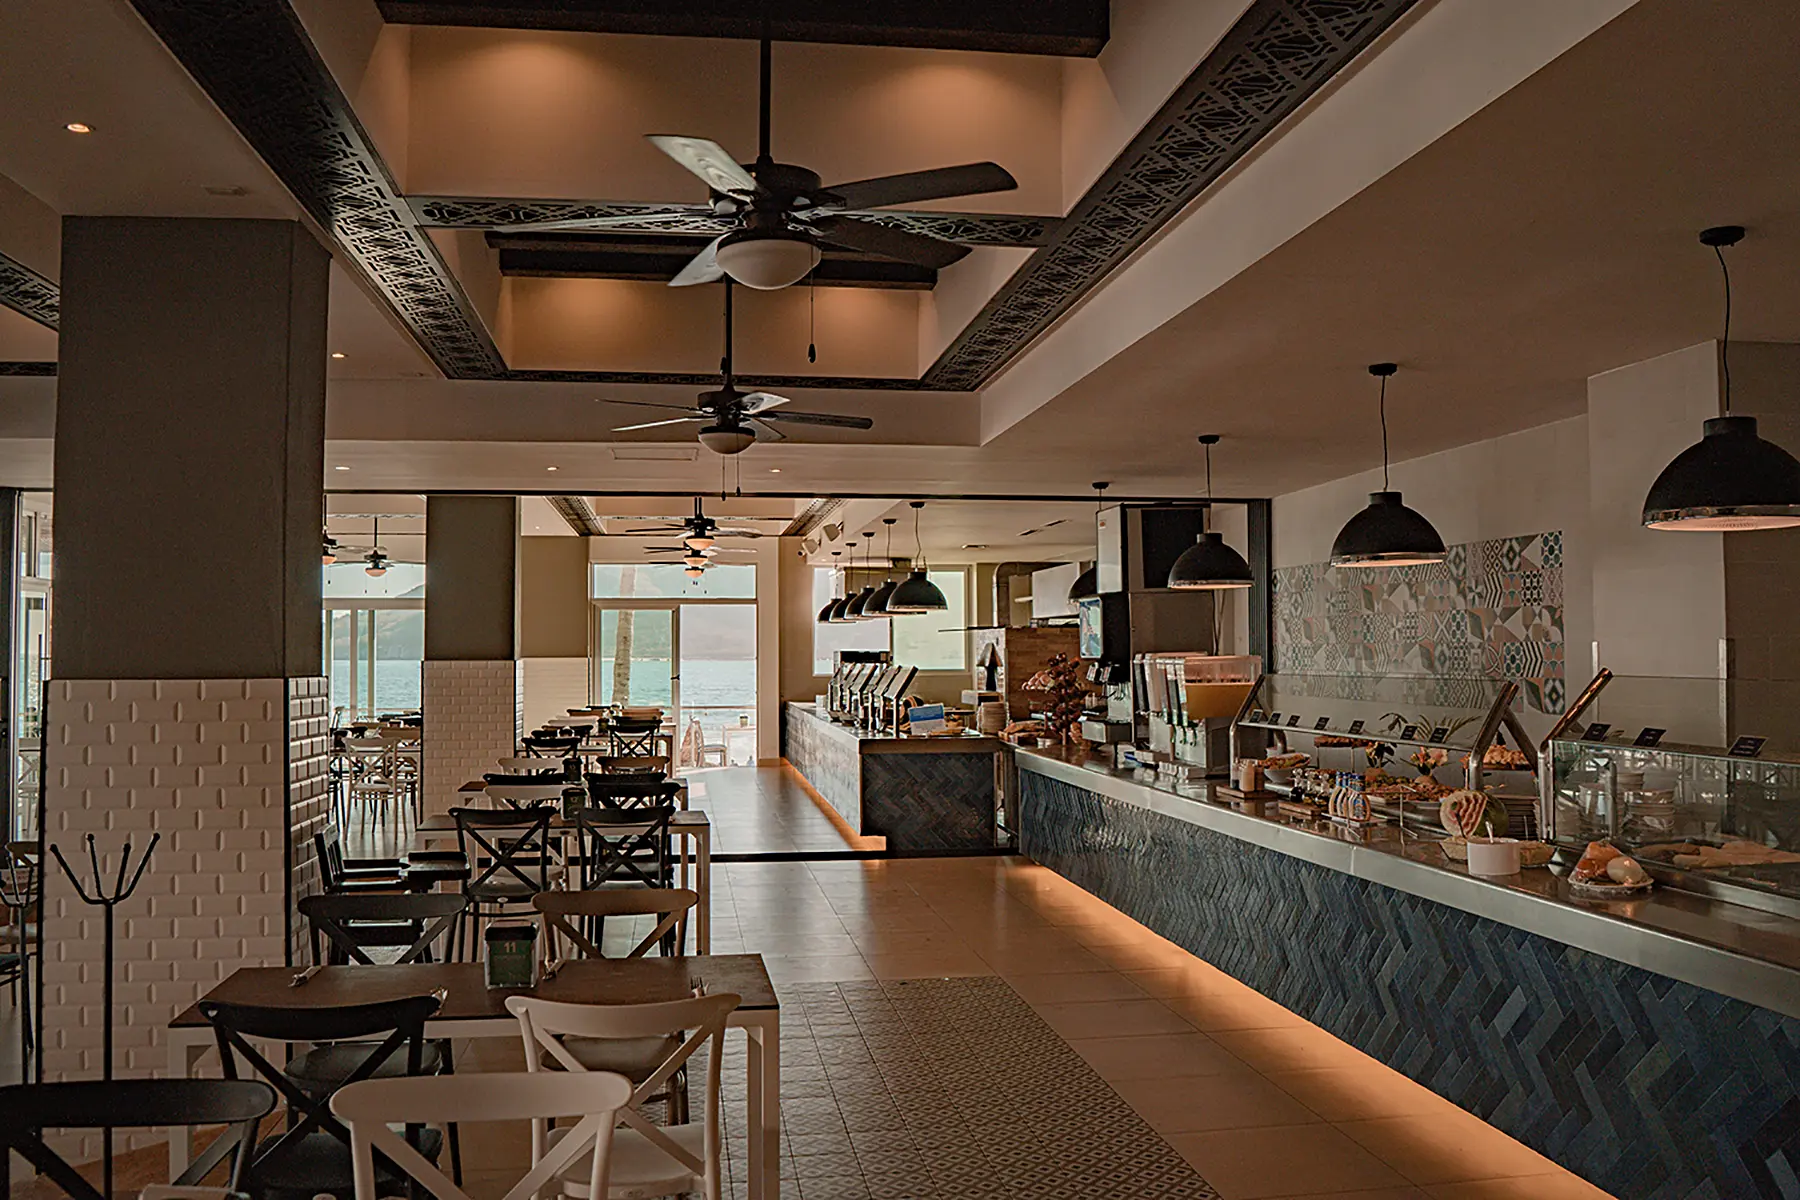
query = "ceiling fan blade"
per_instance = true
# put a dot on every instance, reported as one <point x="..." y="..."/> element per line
<point x="806" y="418"/>
<point x="710" y="161"/>
<point x="889" y="242"/>
<point x="681" y="408"/>
<point x="702" y="268"/>
<point x="970" y="179"/>
<point x="768" y="428"/>
<point x="675" y="220"/>
<point x="657" y="424"/>
<point x="755" y="402"/>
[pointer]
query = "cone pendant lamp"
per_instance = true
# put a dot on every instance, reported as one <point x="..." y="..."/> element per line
<point x="1386" y="533"/>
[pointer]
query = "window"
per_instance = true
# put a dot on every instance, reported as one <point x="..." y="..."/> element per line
<point x="934" y="641"/>
<point x="669" y="581"/>
<point x="937" y="641"/>
<point x="349" y="581"/>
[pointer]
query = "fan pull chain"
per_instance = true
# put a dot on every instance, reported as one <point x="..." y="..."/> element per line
<point x="812" y="345"/>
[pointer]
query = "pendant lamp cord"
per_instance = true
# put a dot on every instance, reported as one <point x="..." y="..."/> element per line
<point x="1725" y="343"/>
<point x="918" y="541"/>
<point x="1209" y="472"/>
<point x="1384" y="440"/>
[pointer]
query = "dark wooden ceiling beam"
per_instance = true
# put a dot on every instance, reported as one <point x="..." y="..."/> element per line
<point x="1068" y="28"/>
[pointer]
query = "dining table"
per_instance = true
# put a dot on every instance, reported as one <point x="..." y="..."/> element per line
<point x="690" y="827"/>
<point x="471" y="1009"/>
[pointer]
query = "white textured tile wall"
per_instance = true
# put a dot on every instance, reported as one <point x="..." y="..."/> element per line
<point x="472" y="713"/>
<point x="203" y="763"/>
<point x="552" y="687"/>
<point x="308" y="796"/>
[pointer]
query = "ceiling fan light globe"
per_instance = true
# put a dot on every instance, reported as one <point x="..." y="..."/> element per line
<point x="727" y="439"/>
<point x="698" y="544"/>
<point x="375" y="571"/>
<point x="766" y="260"/>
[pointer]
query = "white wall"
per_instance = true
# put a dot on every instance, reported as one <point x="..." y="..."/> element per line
<point x="551" y="687"/>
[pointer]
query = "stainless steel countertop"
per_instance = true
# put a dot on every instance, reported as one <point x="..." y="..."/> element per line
<point x="888" y="743"/>
<point x="1741" y="952"/>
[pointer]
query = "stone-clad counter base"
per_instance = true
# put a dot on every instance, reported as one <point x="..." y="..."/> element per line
<point x="924" y="796"/>
<point x="1644" y="1085"/>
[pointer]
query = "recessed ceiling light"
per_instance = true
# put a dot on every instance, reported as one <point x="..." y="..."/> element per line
<point x="78" y="127"/>
<point x="337" y="354"/>
<point x="549" y="468"/>
<point x="340" y="468"/>
<point x="774" y="470"/>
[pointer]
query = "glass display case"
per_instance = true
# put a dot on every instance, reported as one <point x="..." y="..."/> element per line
<point x="1671" y="770"/>
<point x="1409" y="738"/>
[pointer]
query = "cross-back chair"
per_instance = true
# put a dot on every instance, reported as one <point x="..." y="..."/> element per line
<point x="647" y="1159"/>
<point x="346" y="927"/>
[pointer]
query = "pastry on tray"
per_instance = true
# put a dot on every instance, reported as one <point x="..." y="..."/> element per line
<point x="1605" y="872"/>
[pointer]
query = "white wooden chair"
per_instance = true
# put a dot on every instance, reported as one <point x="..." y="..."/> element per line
<point x="583" y="1153"/>
<point x="647" y="1160"/>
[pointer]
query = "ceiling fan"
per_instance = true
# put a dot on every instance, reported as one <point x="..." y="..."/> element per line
<point x="699" y="532"/>
<point x="784" y="214"/>
<point x="377" y="558"/>
<point x="725" y="414"/>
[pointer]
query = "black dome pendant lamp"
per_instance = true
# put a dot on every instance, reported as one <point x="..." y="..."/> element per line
<point x="916" y="593"/>
<point x="825" y="613"/>
<point x="1386" y="533"/>
<point x="1209" y="564"/>
<point x="1088" y="582"/>
<point x="878" y="603"/>
<point x="1730" y="479"/>
<point x="855" y="610"/>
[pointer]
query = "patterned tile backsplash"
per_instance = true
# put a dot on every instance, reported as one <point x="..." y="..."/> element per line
<point x="1490" y="610"/>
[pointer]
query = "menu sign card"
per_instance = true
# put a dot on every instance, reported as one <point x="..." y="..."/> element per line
<point x="1747" y="747"/>
<point x="926" y="718"/>
<point x="1596" y="732"/>
<point x="1356" y="727"/>
<point x="1321" y="723"/>
<point x="1293" y="720"/>
<point x="1439" y="733"/>
<point x="1409" y="733"/>
<point x="1257" y="716"/>
<point x="1649" y="735"/>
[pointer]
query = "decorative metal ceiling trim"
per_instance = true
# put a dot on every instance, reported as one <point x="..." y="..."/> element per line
<point x="29" y="294"/>
<point x="1278" y="54"/>
<point x="494" y="212"/>
<point x="579" y="514"/>
<point x="253" y="57"/>
<point x="812" y="516"/>
<point x="37" y="369"/>
<point x="690" y="379"/>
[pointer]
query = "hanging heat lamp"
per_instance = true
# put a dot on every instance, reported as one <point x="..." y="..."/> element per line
<point x="916" y="593"/>
<point x="1209" y="564"/>
<point x="824" y="617"/>
<point x="1731" y="479"/>
<point x="1088" y="582"/>
<point x="1386" y="533"/>
<point x="878" y="603"/>
<point x="859" y="602"/>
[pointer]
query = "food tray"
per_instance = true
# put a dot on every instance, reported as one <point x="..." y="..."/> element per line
<point x="1594" y="890"/>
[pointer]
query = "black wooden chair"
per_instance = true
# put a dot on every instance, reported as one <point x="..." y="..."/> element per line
<point x="634" y="735"/>
<point x="510" y="859"/>
<point x="27" y="1109"/>
<point x="631" y="791"/>
<point x="346" y="927"/>
<point x="626" y="847"/>
<point x="312" y="1155"/>
<point x="354" y="874"/>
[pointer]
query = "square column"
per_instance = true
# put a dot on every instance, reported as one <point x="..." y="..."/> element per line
<point x="473" y="676"/>
<point x="188" y="699"/>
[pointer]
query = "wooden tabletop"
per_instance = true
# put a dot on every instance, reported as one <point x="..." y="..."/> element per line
<point x="683" y="818"/>
<point x="468" y="998"/>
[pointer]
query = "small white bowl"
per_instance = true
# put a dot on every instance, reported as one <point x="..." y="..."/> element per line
<point x="1497" y="857"/>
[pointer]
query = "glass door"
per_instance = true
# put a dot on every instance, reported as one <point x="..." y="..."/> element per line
<point x="635" y="652"/>
<point x="718" y="684"/>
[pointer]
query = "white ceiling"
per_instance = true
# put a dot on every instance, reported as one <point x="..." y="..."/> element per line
<point x="1547" y="238"/>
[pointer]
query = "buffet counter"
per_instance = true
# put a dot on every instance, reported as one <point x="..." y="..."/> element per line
<point x="925" y="795"/>
<point x="1649" y="1045"/>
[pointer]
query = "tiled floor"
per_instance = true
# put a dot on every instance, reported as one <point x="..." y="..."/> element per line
<point x="1257" y="1101"/>
<point x="766" y="810"/>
